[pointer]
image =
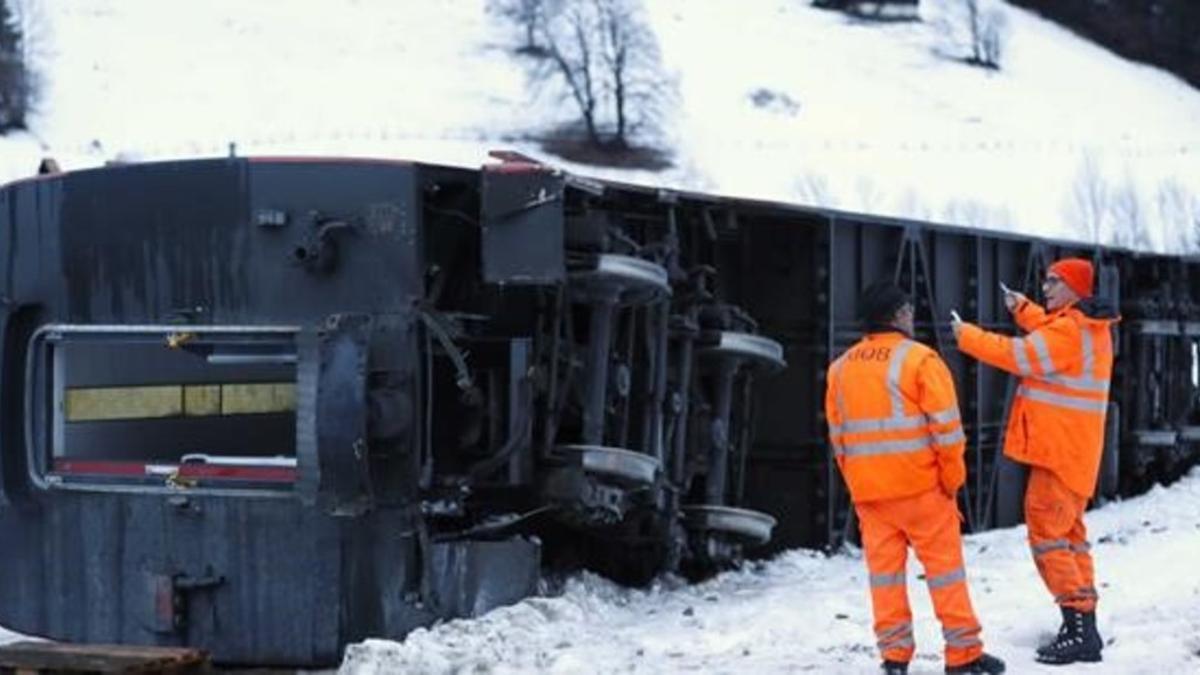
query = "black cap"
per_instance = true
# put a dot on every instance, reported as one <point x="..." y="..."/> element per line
<point x="878" y="304"/>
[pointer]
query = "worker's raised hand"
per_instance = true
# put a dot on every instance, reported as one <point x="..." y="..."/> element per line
<point x="956" y="323"/>
<point x="1013" y="299"/>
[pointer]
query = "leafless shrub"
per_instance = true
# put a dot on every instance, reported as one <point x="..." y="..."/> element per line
<point x="989" y="29"/>
<point x="774" y="101"/>
<point x="975" y="31"/>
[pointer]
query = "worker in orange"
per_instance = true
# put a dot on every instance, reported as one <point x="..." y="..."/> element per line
<point x="1057" y="428"/>
<point x="895" y="432"/>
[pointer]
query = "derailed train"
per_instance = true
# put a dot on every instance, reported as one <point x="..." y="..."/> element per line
<point x="270" y="406"/>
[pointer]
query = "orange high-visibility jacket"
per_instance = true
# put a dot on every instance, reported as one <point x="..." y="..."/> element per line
<point x="1065" y="364"/>
<point x="893" y="419"/>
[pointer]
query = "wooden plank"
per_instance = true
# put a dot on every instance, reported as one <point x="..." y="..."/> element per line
<point x="41" y="657"/>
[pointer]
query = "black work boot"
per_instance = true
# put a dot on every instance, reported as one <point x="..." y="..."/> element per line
<point x="1078" y="640"/>
<point x="986" y="663"/>
<point x="894" y="667"/>
<point x="1064" y="628"/>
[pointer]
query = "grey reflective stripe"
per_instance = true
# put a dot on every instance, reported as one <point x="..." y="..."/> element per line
<point x="896" y="423"/>
<point x="964" y="642"/>
<point x="902" y="629"/>
<point x="1081" y="548"/>
<point x="863" y="448"/>
<point x="1043" y="353"/>
<point x="1085" y="593"/>
<point x="1089" y="355"/>
<point x="1052" y="545"/>
<point x="899" y="635"/>
<point x="946" y="579"/>
<point x="949" y="438"/>
<point x="1063" y="400"/>
<point x="1018" y="347"/>
<point x="840" y="402"/>
<point x="886" y="424"/>
<point x="1087" y="380"/>
<point x="878" y="580"/>
<point x="1085" y="383"/>
<point x="961" y="637"/>
<point x="893" y="377"/>
<point x="944" y="416"/>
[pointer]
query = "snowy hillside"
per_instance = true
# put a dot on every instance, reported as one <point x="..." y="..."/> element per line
<point x="874" y="117"/>
<point x="803" y="612"/>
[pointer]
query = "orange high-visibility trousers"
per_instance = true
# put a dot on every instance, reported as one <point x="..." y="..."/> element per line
<point x="1058" y="540"/>
<point x="929" y="522"/>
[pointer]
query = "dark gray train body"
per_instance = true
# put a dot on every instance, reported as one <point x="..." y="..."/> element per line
<point x="269" y="407"/>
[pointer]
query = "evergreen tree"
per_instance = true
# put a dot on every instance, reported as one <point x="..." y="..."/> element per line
<point x="1165" y="33"/>
<point x="14" y="76"/>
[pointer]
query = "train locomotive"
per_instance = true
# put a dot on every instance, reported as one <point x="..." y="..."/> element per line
<point x="272" y="406"/>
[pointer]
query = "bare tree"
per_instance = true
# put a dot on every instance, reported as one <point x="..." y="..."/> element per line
<point x="1128" y="214"/>
<point x="1088" y="209"/>
<point x="813" y="189"/>
<point x="606" y="58"/>
<point x="1193" y="237"/>
<point x="570" y="39"/>
<point x="528" y="15"/>
<point x="975" y="214"/>
<point x="1179" y="214"/>
<point x="629" y="53"/>
<point x="870" y="196"/>
<point x="911" y="205"/>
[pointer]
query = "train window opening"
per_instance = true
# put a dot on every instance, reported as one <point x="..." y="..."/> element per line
<point x="167" y="407"/>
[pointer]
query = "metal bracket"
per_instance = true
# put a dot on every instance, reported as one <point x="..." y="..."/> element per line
<point x="168" y="595"/>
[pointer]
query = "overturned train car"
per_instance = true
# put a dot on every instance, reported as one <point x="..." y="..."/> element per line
<point x="272" y="406"/>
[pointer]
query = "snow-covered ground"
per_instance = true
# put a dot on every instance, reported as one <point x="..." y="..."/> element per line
<point x="7" y="636"/>
<point x="868" y="117"/>
<point x="805" y="612"/>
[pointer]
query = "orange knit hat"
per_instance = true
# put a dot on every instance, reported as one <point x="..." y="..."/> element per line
<point x="1076" y="273"/>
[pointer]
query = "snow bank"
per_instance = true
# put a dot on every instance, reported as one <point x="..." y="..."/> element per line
<point x="805" y="612"/>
